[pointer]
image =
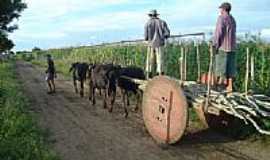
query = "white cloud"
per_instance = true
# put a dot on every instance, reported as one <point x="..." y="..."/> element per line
<point x="183" y="10"/>
<point x="265" y="33"/>
<point x="107" y="21"/>
<point x="54" y="8"/>
<point x="44" y="18"/>
<point x="46" y="9"/>
<point x="67" y="21"/>
<point x="22" y="35"/>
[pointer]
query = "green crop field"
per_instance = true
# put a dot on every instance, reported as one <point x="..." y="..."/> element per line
<point x="20" y="137"/>
<point x="136" y="55"/>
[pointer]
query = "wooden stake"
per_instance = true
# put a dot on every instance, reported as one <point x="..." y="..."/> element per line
<point x="185" y="64"/>
<point x="247" y="72"/>
<point x="263" y="64"/>
<point x="209" y="79"/>
<point x="198" y="62"/>
<point x="252" y="71"/>
<point x="181" y="64"/>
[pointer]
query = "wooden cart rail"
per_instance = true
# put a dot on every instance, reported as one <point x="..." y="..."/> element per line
<point x="136" y="41"/>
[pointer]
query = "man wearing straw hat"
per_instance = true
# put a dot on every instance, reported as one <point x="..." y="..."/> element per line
<point x="225" y="45"/>
<point x="156" y="32"/>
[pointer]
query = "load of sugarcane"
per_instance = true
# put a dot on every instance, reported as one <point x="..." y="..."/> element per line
<point x="251" y="108"/>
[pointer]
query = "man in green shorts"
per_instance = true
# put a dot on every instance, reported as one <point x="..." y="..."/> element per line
<point x="225" y="45"/>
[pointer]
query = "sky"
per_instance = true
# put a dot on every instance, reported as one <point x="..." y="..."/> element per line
<point x="63" y="23"/>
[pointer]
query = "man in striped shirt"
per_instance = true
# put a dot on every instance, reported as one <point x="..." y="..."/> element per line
<point x="225" y="44"/>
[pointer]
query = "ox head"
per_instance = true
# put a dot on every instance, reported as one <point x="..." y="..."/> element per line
<point x="73" y="66"/>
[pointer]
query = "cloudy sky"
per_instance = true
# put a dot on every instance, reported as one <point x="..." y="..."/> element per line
<point x="63" y="23"/>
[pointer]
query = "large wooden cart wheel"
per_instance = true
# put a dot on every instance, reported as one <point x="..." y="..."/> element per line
<point x="165" y="111"/>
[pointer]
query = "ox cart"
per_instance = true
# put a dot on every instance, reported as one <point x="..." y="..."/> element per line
<point x="166" y="101"/>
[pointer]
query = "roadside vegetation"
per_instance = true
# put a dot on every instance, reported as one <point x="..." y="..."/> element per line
<point x="20" y="136"/>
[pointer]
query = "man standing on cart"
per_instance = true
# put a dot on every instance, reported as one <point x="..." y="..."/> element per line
<point x="156" y="32"/>
<point x="225" y="45"/>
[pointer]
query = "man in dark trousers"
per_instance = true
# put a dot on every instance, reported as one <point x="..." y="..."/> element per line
<point x="225" y="45"/>
<point x="51" y="74"/>
<point x="156" y="32"/>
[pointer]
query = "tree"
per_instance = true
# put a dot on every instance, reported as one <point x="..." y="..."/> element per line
<point x="36" y="49"/>
<point x="9" y="10"/>
<point x="5" y="43"/>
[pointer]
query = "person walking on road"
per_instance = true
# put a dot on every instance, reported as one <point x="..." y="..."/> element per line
<point x="156" y="32"/>
<point x="225" y="45"/>
<point x="50" y="74"/>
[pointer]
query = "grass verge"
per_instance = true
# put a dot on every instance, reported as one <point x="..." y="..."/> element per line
<point x="20" y="136"/>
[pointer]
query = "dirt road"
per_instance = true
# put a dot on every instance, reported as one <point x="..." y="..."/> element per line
<point x="80" y="131"/>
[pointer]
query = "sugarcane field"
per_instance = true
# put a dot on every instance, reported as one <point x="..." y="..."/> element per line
<point x="146" y="80"/>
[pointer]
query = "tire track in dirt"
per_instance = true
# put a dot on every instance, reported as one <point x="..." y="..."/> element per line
<point x="82" y="131"/>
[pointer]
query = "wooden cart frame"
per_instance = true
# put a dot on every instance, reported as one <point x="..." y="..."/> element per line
<point x="166" y="100"/>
